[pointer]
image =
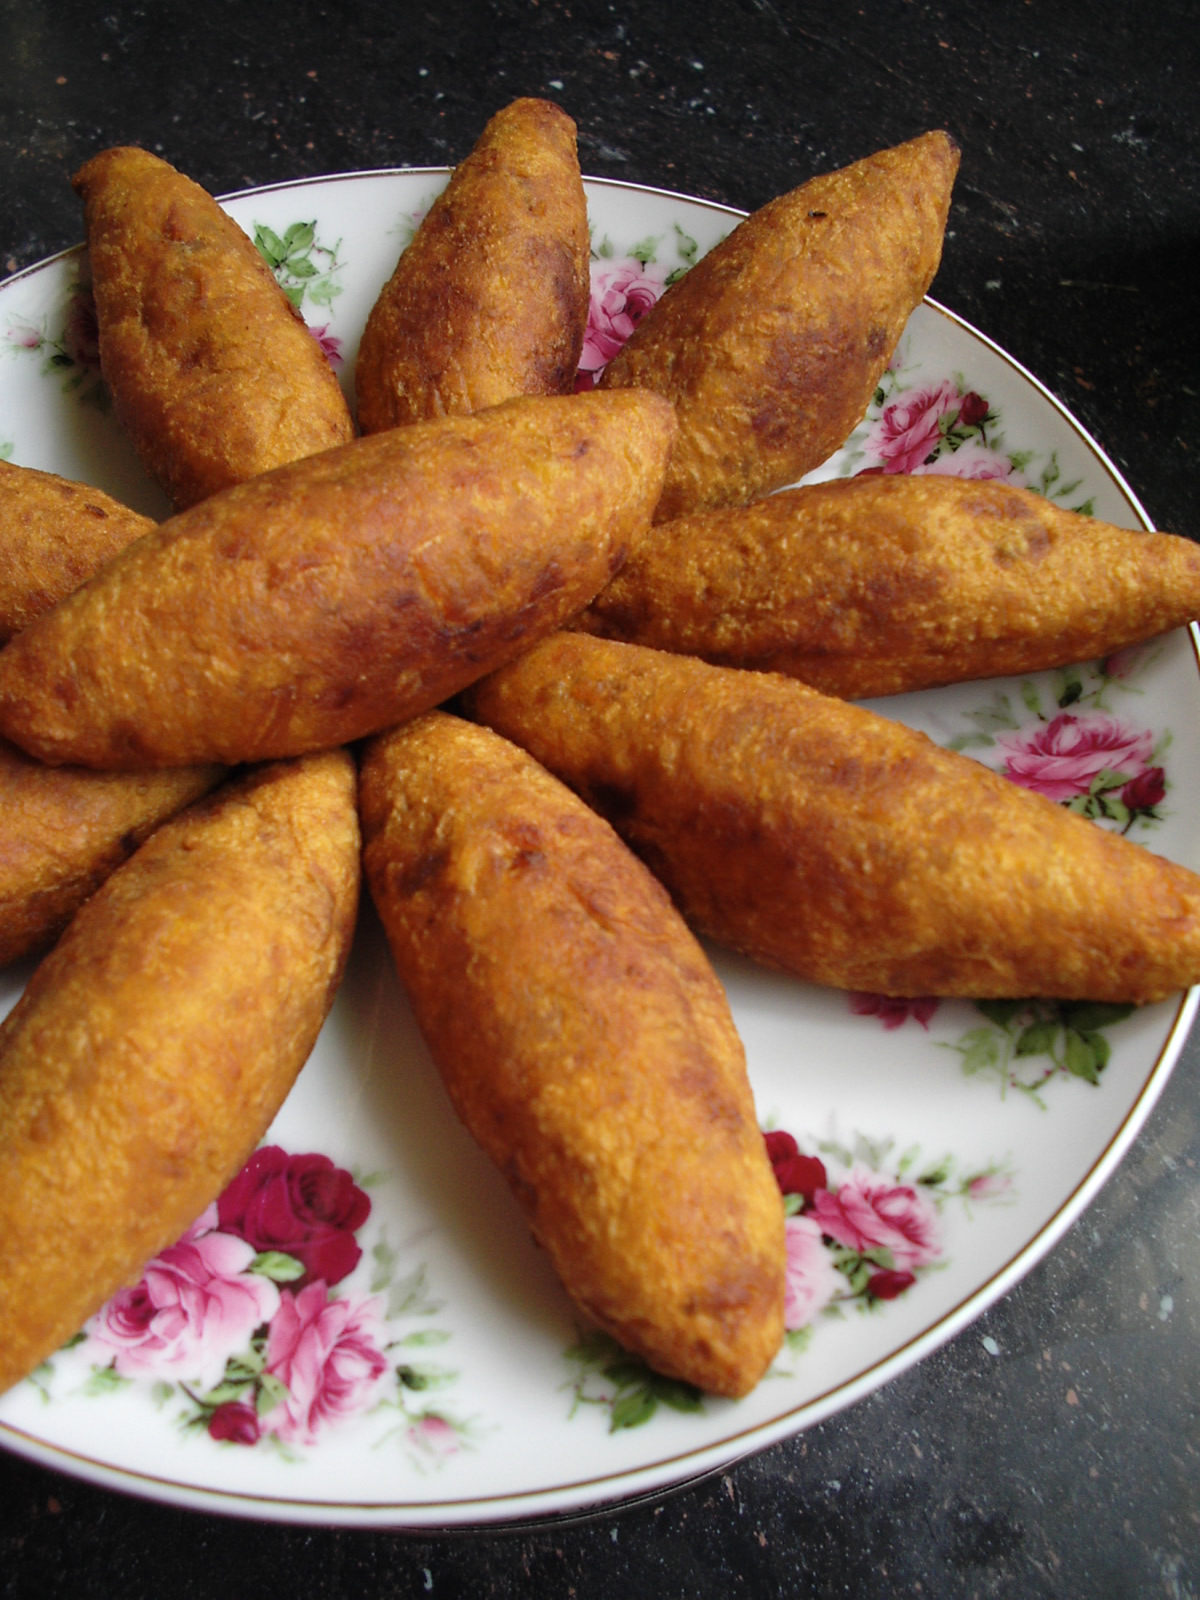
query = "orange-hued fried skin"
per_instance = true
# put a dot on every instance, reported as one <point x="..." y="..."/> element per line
<point x="877" y="585"/>
<point x="341" y="594"/>
<point x="64" y="829"/>
<point x="773" y="344"/>
<point x="213" y="373"/>
<point x="54" y="533"/>
<point x="490" y="299"/>
<point x="823" y="839"/>
<point x="154" y="1044"/>
<point x="586" y="1044"/>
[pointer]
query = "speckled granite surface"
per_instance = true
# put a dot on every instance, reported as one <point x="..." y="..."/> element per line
<point x="1052" y="1449"/>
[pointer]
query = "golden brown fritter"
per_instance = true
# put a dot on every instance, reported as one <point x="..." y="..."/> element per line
<point x="54" y="533"/>
<point x="490" y="300"/>
<point x="154" y="1044"/>
<point x="823" y="839"/>
<point x="213" y="373"/>
<point x="341" y="594"/>
<point x="876" y="585"/>
<point x="64" y="829"/>
<point x="773" y="344"/>
<point x="586" y="1044"/>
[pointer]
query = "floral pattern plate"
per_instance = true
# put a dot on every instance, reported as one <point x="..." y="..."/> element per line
<point x="359" y="1330"/>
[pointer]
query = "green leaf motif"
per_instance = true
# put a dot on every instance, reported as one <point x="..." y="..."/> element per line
<point x="269" y="244"/>
<point x="277" y="1266"/>
<point x="271" y="1392"/>
<point x="633" y="1409"/>
<point x="1037" y="1039"/>
<point x="1080" y="1057"/>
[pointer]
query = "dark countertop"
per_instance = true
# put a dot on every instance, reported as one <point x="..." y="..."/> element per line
<point x="1052" y="1448"/>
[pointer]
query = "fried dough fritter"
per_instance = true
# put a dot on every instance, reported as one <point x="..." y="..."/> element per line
<point x="878" y="585"/>
<point x="825" y="840"/>
<point x="214" y="375"/>
<point x="64" y="829"/>
<point x="586" y="1044"/>
<point x="341" y="594"/>
<point x="772" y="345"/>
<point x="490" y="300"/>
<point x="54" y="533"/>
<point x="154" y="1044"/>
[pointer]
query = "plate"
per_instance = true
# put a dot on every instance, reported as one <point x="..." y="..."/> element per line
<point x="393" y="1350"/>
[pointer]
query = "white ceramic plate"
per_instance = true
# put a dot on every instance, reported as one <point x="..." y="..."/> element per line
<point x="443" y="1381"/>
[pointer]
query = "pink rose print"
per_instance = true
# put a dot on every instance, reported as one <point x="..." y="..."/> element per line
<point x="328" y="1353"/>
<point x="195" y="1306"/>
<point x="908" y="431"/>
<point x="811" y="1279"/>
<point x="330" y="344"/>
<point x="1061" y="758"/>
<point x="301" y="1205"/>
<point x="988" y="1185"/>
<point x="25" y="338"/>
<point x="433" y="1436"/>
<point x="893" y="1012"/>
<point x="1124" y="663"/>
<point x="869" y="1213"/>
<point x="972" y="460"/>
<point x="622" y="293"/>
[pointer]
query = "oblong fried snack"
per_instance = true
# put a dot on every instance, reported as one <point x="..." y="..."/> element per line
<point x="54" y="533"/>
<point x="154" y="1044"/>
<point x="64" y="829"/>
<point x="773" y="343"/>
<point x="341" y="594"/>
<point x="823" y="839"/>
<point x="490" y="300"/>
<point x="877" y="585"/>
<point x="213" y="373"/>
<point x="586" y="1044"/>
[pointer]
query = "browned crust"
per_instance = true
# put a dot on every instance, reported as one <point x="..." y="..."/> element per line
<point x="831" y="842"/>
<point x="54" y="533"/>
<point x="773" y="344"/>
<point x="64" y="829"/>
<point x="154" y="1044"/>
<point x="878" y="585"/>
<point x="343" y="593"/>
<point x="490" y="299"/>
<point x="213" y="373"/>
<point x="586" y="1044"/>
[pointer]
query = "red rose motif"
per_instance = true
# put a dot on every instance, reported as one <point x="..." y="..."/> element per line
<point x="973" y="410"/>
<point x="301" y="1205"/>
<point x="794" y="1173"/>
<point x="234" y="1421"/>
<point x="887" y="1285"/>
<point x="1145" y="791"/>
<point x="1061" y="758"/>
<point x="892" y="1011"/>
